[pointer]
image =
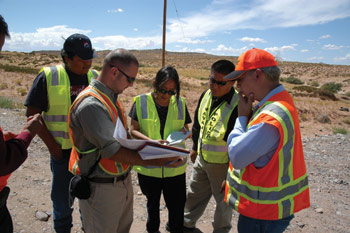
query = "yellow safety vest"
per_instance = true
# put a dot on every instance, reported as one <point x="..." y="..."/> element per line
<point x="149" y="123"/>
<point x="59" y="101"/>
<point x="211" y="144"/>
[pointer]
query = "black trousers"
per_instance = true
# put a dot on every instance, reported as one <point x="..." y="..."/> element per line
<point x="5" y="217"/>
<point x="174" y="192"/>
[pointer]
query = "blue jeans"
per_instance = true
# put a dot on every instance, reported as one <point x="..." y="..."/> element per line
<point x="248" y="225"/>
<point x="62" y="213"/>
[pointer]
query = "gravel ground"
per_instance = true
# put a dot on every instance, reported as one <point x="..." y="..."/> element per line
<point x="327" y="158"/>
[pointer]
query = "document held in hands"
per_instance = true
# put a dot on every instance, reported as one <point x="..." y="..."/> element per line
<point x="152" y="149"/>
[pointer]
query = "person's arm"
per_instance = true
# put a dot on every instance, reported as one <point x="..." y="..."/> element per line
<point x="54" y="148"/>
<point x="98" y="129"/>
<point x="37" y="102"/>
<point x="13" y="152"/>
<point x="248" y="146"/>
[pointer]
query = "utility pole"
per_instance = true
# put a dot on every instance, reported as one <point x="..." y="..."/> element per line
<point x="164" y="29"/>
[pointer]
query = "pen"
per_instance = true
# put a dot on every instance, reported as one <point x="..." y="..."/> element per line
<point x="170" y="162"/>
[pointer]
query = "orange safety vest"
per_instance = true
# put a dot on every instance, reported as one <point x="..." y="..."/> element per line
<point x="3" y="179"/>
<point x="279" y="189"/>
<point x="109" y="166"/>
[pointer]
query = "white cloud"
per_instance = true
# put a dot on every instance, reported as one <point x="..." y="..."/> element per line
<point x="248" y="39"/>
<point x="136" y="29"/>
<point x="197" y="50"/>
<point x="332" y="47"/>
<point x="325" y="36"/>
<point x="304" y="50"/>
<point x="345" y="59"/>
<point x="190" y="41"/>
<point x="315" y="59"/>
<point x="277" y="50"/>
<point x="119" y="10"/>
<point x="51" y="38"/>
<point x="119" y="41"/>
<point x="223" y="50"/>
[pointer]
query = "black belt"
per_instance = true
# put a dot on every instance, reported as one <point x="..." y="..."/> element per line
<point x="109" y="179"/>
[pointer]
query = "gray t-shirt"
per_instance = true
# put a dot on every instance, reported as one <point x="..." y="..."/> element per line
<point x="92" y="128"/>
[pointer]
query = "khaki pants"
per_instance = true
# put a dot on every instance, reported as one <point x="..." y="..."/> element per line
<point x="206" y="180"/>
<point x="110" y="207"/>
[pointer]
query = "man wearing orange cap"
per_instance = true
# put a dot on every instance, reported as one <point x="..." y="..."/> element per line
<point x="267" y="180"/>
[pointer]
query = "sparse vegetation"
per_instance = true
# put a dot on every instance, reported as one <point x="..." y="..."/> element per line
<point x="3" y="86"/>
<point x="338" y="130"/>
<point x="292" y="80"/>
<point x="22" y="91"/>
<point x="6" y="103"/>
<point x="18" y="69"/>
<point x="332" y="87"/>
<point x="314" y="84"/>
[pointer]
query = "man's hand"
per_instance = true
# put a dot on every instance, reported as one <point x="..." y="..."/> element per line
<point x="223" y="185"/>
<point x="245" y="104"/>
<point x="34" y="124"/>
<point x="193" y="156"/>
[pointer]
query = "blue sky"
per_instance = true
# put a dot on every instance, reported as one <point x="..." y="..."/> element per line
<point x="294" y="30"/>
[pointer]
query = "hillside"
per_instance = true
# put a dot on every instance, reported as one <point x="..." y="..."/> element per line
<point x="320" y="113"/>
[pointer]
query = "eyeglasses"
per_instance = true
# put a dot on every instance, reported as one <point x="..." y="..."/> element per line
<point x="130" y="79"/>
<point x="212" y="80"/>
<point x="165" y="91"/>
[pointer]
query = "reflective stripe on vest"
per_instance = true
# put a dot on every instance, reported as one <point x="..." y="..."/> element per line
<point x="109" y="166"/>
<point x="213" y="128"/>
<point x="149" y="124"/>
<point x="59" y="101"/>
<point x="274" y="191"/>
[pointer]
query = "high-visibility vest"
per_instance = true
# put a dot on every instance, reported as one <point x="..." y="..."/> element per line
<point x="279" y="189"/>
<point x="211" y="144"/>
<point x="3" y="179"/>
<point x="59" y="101"/>
<point x="107" y="165"/>
<point x="149" y="124"/>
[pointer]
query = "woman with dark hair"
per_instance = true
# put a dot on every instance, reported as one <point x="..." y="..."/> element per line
<point x="153" y="117"/>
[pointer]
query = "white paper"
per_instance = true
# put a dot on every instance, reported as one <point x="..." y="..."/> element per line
<point x="177" y="137"/>
<point x="149" y="151"/>
<point x="119" y="131"/>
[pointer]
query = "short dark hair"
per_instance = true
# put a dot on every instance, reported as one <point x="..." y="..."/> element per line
<point x="163" y="75"/>
<point x="68" y="54"/>
<point x="3" y="27"/>
<point x="223" y="67"/>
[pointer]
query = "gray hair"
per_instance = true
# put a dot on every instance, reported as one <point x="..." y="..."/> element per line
<point x="120" y="57"/>
<point x="272" y="73"/>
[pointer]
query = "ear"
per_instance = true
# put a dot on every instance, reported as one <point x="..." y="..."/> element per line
<point x="258" y="74"/>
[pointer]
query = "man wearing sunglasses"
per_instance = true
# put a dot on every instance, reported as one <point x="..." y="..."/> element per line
<point x="214" y="119"/>
<point x="96" y="120"/>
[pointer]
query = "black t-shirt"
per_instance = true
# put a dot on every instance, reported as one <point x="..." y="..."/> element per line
<point x="37" y="96"/>
<point x="162" y="113"/>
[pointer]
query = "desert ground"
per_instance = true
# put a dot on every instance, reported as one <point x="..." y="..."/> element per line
<point x="321" y="116"/>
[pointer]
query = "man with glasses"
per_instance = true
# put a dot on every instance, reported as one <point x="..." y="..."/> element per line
<point x="52" y="93"/>
<point x="214" y="119"/>
<point x="96" y="120"/>
<point x="267" y="183"/>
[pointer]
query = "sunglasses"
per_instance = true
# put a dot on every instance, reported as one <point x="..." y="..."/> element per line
<point x="130" y="79"/>
<point x="212" y="80"/>
<point x="165" y="91"/>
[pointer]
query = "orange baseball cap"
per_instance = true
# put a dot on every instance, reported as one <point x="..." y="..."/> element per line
<point x="250" y="60"/>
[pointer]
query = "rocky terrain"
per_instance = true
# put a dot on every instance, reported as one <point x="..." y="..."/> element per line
<point x="328" y="164"/>
<point x="327" y="154"/>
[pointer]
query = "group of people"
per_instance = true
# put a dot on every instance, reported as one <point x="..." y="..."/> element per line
<point x="248" y="157"/>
